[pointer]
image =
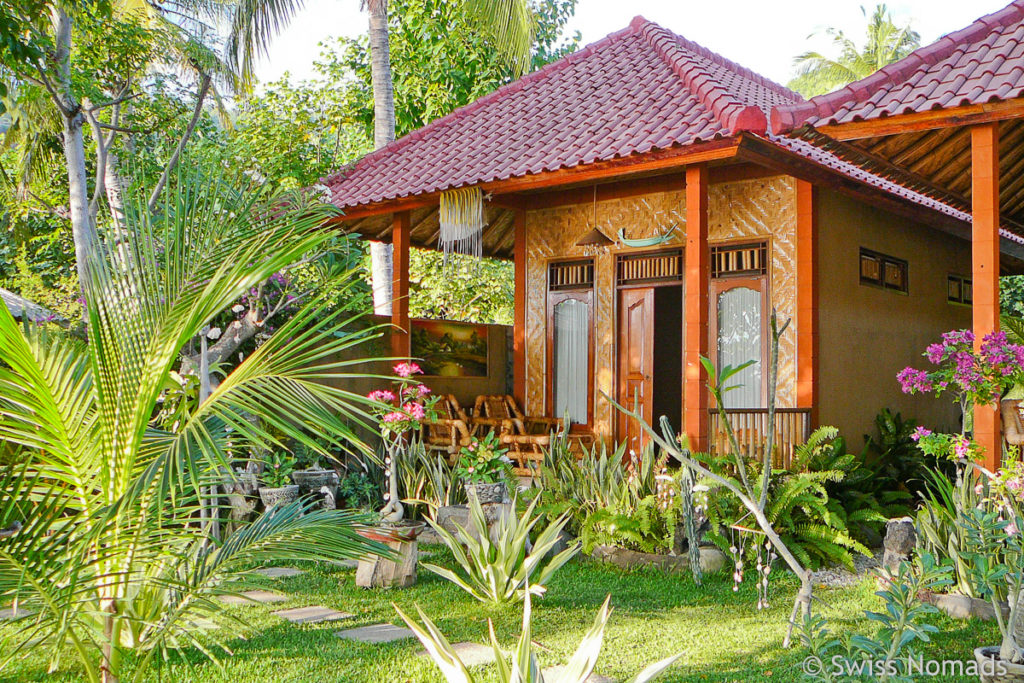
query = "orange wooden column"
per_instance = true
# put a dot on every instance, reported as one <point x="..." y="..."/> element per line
<point x="698" y="257"/>
<point x="519" y="314"/>
<point x="807" y="298"/>
<point x="400" y="286"/>
<point x="985" y="245"/>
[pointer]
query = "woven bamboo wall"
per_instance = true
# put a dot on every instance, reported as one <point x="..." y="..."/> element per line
<point x="763" y="208"/>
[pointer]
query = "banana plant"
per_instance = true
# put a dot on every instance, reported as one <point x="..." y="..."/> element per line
<point x="109" y="555"/>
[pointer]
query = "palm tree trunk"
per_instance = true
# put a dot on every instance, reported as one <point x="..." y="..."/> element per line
<point x="82" y="227"/>
<point x="381" y="270"/>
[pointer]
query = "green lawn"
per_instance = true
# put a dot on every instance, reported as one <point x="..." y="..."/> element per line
<point x="721" y="633"/>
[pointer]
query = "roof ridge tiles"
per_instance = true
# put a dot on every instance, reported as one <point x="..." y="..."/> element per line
<point x="789" y="117"/>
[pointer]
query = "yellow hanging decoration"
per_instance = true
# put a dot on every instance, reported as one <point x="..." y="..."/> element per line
<point x="462" y="221"/>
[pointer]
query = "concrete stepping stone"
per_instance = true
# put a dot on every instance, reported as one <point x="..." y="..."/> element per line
<point x="249" y="597"/>
<point x="471" y="654"/>
<point x="279" y="572"/>
<point x="376" y="633"/>
<point x="311" y="615"/>
<point x="552" y="672"/>
<point x="9" y="613"/>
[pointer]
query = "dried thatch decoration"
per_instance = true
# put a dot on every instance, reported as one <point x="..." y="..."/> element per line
<point x="462" y="221"/>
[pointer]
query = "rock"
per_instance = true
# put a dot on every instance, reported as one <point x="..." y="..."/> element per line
<point x="899" y="543"/>
<point x="564" y="540"/>
<point x="680" y="542"/>
<point x="712" y="560"/>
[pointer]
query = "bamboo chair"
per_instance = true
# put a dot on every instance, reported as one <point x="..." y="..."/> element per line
<point x="450" y="431"/>
<point x="1013" y="425"/>
<point x="525" y="436"/>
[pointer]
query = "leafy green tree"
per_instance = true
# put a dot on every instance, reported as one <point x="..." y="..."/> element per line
<point x="470" y="289"/>
<point x="885" y="43"/>
<point x="101" y="541"/>
<point x="1011" y="295"/>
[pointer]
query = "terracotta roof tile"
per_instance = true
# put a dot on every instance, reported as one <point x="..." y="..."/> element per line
<point x="981" y="63"/>
<point x="637" y="90"/>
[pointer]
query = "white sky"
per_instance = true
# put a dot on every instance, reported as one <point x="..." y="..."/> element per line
<point x="762" y="35"/>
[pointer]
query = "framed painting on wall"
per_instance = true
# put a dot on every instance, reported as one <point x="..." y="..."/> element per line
<point x="450" y="349"/>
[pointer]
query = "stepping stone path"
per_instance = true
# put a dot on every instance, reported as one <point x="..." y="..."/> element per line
<point x="311" y="615"/>
<point x="11" y="613"/>
<point x="376" y="633"/>
<point x="253" y="596"/>
<point x="279" y="572"/>
<point x="471" y="654"/>
<point x="554" y="671"/>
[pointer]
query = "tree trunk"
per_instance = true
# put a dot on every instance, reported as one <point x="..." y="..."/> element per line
<point x="381" y="270"/>
<point x="114" y="186"/>
<point x="82" y="227"/>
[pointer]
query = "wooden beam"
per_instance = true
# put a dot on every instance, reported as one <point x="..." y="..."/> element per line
<point x="698" y="258"/>
<point x="807" y="298"/>
<point x="967" y="115"/>
<point x="519" y="314"/>
<point x="400" y="286"/>
<point x="985" y="248"/>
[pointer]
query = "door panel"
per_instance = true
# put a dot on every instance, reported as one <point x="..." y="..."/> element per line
<point x="636" y="361"/>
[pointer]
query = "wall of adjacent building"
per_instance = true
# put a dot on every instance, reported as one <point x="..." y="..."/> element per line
<point x="868" y="334"/>
<point x="761" y="208"/>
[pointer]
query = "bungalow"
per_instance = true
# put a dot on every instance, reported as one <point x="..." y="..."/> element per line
<point x="654" y="216"/>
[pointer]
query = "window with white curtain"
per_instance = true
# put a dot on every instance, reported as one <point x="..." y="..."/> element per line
<point x="570" y="358"/>
<point x="740" y="329"/>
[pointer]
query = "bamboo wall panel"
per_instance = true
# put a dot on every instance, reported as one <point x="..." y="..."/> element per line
<point x="757" y="208"/>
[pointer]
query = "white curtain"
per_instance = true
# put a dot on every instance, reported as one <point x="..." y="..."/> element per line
<point x="739" y="341"/>
<point x="572" y="345"/>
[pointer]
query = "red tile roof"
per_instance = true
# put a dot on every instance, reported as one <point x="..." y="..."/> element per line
<point x="978" y="64"/>
<point x="640" y="89"/>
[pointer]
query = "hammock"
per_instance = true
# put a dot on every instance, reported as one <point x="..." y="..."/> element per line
<point x="462" y="222"/>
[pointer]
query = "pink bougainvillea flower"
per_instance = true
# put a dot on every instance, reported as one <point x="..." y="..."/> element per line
<point x="1011" y="529"/>
<point x="920" y="433"/>
<point x="381" y="395"/>
<point x="962" y="447"/>
<point x="407" y="370"/>
<point x="913" y="380"/>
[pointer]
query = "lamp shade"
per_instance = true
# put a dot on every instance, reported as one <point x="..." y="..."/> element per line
<point x="594" y="238"/>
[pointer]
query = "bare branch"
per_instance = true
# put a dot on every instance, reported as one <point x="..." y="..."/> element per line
<point x="117" y="100"/>
<point x="204" y="88"/>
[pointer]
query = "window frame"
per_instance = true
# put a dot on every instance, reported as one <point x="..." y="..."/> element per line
<point x="758" y="283"/>
<point x="966" y="284"/>
<point x="884" y="261"/>
<point x="585" y="294"/>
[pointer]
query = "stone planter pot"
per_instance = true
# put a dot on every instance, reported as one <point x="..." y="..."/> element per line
<point x="486" y="493"/>
<point x="991" y="669"/>
<point x="276" y="496"/>
<point x="311" y="481"/>
<point x="240" y="482"/>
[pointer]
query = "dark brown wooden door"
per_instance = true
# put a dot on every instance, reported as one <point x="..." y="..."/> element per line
<point x="636" y="361"/>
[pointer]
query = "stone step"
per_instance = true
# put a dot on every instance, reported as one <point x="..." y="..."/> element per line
<point x="279" y="572"/>
<point x="9" y="613"/>
<point x="311" y="615"/>
<point x="376" y="633"/>
<point x="249" y="597"/>
<point x="471" y="654"/>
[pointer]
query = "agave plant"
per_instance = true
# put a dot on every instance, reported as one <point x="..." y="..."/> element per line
<point x="110" y="553"/>
<point x="525" y="668"/>
<point x="497" y="570"/>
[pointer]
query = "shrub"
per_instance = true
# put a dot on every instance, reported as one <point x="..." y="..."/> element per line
<point x="894" y="461"/>
<point x="497" y="570"/>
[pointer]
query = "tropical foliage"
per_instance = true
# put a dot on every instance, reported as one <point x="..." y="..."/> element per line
<point x="885" y="42"/>
<point x="111" y="557"/>
<point x="498" y="563"/>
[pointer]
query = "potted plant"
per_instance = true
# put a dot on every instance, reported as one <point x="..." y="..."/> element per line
<point x="995" y="551"/>
<point x="277" y="480"/>
<point x="485" y="470"/>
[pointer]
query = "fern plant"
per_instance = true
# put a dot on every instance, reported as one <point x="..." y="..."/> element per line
<point x="496" y="570"/>
<point x="647" y="527"/>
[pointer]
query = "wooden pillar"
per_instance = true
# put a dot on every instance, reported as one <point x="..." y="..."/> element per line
<point x="985" y="246"/>
<point x="698" y="256"/>
<point x="807" y="298"/>
<point x="519" y="316"/>
<point x="400" y="286"/>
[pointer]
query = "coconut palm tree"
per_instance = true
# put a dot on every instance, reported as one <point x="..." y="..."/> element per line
<point x="511" y="23"/>
<point x="104" y="544"/>
<point x="885" y="43"/>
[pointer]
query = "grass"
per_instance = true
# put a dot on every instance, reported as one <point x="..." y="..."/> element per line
<point x="721" y="633"/>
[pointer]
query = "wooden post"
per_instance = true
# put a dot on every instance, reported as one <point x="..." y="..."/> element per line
<point x="698" y="256"/>
<point x="519" y="319"/>
<point x="400" y="286"/>
<point x="807" y="298"/>
<point x="985" y="249"/>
